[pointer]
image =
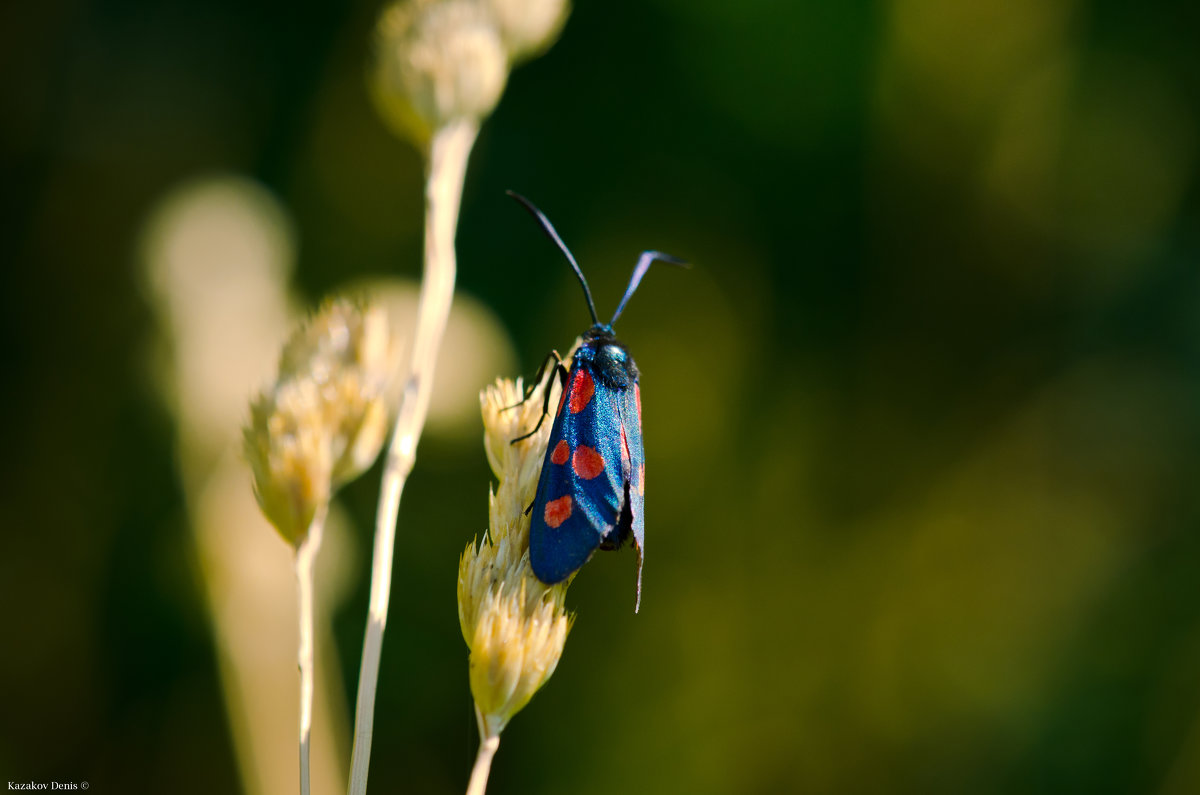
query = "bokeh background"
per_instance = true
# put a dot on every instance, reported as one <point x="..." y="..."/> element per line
<point x="922" y="424"/>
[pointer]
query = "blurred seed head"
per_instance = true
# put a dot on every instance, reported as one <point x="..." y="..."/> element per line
<point x="323" y="422"/>
<point x="289" y="457"/>
<point x="344" y="349"/>
<point x="514" y="624"/>
<point x="436" y="61"/>
<point x="529" y="27"/>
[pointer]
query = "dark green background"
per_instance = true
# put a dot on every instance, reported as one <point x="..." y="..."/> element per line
<point x="922" y="424"/>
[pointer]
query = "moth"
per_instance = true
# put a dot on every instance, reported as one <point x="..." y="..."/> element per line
<point x="592" y="488"/>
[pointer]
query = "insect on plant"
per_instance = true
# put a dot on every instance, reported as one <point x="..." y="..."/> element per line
<point x="591" y="490"/>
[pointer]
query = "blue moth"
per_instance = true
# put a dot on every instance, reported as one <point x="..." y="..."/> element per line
<point x="591" y="491"/>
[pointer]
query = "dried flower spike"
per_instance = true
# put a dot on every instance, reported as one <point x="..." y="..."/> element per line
<point x="516" y="646"/>
<point x="528" y="27"/>
<point x="514" y="625"/>
<point x="345" y="349"/>
<point x="435" y="63"/>
<point x="289" y="457"/>
<point x="323" y="422"/>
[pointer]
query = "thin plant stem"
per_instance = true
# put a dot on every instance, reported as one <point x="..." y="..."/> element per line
<point x="488" y="743"/>
<point x="447" y="164"/>
<point x="306" y="556"/>
<point x="483" y="765"/>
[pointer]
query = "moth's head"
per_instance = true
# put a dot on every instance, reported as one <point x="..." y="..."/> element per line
<point x="599" y="334"/>
<point x="611" y="359"/>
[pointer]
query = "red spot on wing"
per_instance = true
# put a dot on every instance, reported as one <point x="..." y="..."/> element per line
<point x="587" y="462"/>
<point x="558" y="511"/>
<point x="561" y="451"/>
<point x="582" y="389"/>
<point x="637" y="395"/>
<point x="641" y="484"/>
<point x="625" y="458"/>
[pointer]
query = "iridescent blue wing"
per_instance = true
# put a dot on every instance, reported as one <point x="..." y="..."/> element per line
<point x="581" y="488"/>
<point x="633" y="470"/>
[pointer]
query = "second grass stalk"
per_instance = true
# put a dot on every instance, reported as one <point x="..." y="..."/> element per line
<point x="448" y="155"/>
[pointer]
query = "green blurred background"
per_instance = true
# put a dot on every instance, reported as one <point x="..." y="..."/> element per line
<point x="922" y="424"/>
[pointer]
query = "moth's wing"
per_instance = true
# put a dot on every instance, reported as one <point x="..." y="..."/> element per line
<point x="579" y="491"/>
<point x="596" y="465"/>
<point x="634" y="474"/>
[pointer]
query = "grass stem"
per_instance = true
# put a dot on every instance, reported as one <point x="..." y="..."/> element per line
<point x="447" y="163"/>
<point x="306" y="555"/>
<point x="488" y="743"/>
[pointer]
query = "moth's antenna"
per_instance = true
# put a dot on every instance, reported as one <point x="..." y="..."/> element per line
<point x="639" y="270"/>
<point x="548" y="228"/>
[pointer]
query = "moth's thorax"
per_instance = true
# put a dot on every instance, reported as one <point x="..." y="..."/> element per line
<point x="608" y="356"/>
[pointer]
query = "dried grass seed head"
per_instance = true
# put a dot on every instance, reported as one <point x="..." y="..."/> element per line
<point x="516" y="465"/>
<point x="436" y="61"/>
<point x="515" y="648"/>
<point x="289" y="458"/>
<point x="514" y="624"/>
<point x="324" y="421"/>
<point x="529" y="27"/>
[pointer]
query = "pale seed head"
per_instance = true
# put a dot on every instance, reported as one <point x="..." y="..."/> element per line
<point x="289" y="457"/>
<point x="344" y="349"/>
<point x="517" y="466"/>
<point x="436" y="61"/>
<point x="515" y="647"/>
<point x="324" y="421"/>
<point x="514" y="624"/>
<point x="529" y="27"/>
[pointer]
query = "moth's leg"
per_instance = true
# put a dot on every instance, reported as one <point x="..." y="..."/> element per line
<point x="562" y="374"/>
<point x="537" y="378"/>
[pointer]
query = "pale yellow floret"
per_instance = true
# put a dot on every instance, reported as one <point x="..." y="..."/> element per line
<point x="435" y="63"/>
<point x="528" y="27"/>
<point x="443" y="61"/>
<point x="289" y="459"/>
<point x="516" y="646"/>
<point x="324" y="420"/>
